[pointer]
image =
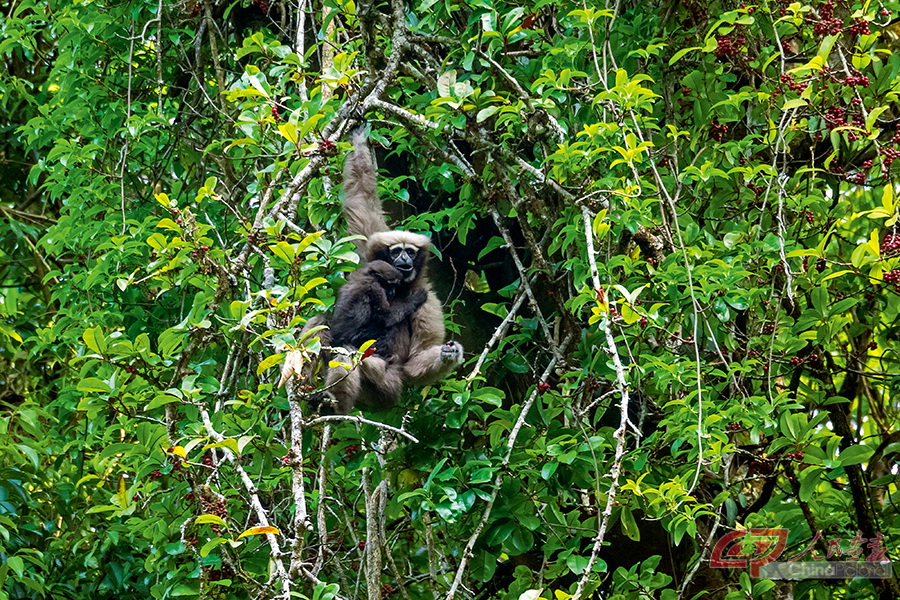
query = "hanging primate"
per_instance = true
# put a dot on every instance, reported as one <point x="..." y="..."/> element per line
<point x="419" y="355"/>
<point x="369" y="308"/>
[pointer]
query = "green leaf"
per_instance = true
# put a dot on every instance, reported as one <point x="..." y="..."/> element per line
<point x="485" y="113"/>
<point x="95" y="340"/>
<point x="92" y="384"/>
<point x="680" y="54"/>
<point x="854" y="455"/>
<point x="16" y="564"/>
<point x="629" y="525"/>
<point x="577" y="564"/>
<point x="211" y="545"/>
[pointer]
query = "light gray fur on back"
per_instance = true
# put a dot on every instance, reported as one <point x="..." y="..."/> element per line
<point x="362" y="208"/>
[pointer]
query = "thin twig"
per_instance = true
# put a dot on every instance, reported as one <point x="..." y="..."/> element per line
<point x="619" y="434"/>
<point x="358" y="419"/>
<point x="499" y="334"/>
<point x="523" y="277"/>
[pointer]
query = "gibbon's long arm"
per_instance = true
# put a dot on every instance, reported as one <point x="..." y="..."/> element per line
<point x="362" y="209"/>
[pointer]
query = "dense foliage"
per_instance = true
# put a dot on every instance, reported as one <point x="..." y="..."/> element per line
<point x="666" y="234"/>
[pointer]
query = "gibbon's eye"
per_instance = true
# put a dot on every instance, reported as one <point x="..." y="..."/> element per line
<point x="404" y="251"/>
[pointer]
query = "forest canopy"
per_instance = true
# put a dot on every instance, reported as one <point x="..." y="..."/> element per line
<point x="666" y="234"/>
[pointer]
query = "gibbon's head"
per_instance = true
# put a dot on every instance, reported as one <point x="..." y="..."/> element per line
<point x="407" y="252"/>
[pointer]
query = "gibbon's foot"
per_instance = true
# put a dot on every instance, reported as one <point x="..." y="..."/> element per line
<point x="452" y="352"/>
<point x="323" y="403"/>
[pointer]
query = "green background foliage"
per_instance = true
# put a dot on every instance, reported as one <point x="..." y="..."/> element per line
<point x="666" y="233"/>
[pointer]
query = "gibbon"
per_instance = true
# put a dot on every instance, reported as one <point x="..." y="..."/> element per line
<point x="419" y="355"/>
<point x="369" y="308"/>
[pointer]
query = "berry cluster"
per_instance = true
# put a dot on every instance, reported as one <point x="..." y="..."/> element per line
<point x="859" y="27"/>
<point x="130" y="369"/>
<point x="734" y="426"/>
<point x="387" y="590"/>
<point x="276" y="113"/>
<point x="717" y="131"/>
<point x="828" y="23"/>
<point x="756" y="189"/>
<point x="214" y="506"/>
<point x="264" y="6"/>
<point x="794" y="86"/>
<point x="893" y="278"/>
<point x="768" y="328"/>
<point x="859" y="178"/>
<point x="856" y="79"/>
<point x="837" y="116"/>
<point x="888" y="156"/>
<point x="834" y="116"/>
<point x="750" y="9"/>
<point x="217" y="575"/>
<point x="328" y="148"/>
<point x="873" y="345"/>
<point x="543" y="387"/>
<point x="797" y="456"/>
<point x="155" y="474"/>
<point x="728" y="46"/>
<point x="890" y="245"/>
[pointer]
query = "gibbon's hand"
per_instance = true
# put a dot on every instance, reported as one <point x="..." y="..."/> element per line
<point x="452" y="352"/>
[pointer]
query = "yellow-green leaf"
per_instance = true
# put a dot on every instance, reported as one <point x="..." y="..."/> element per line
<point x="289" y="131"/>
<point x="259" y="531"/>
<point x="203" y="519"/>
<point x="94" y="339"/>
<point x="229" y="443"/>
<point x="269" y="362"/>
<point x="837" y="274"/>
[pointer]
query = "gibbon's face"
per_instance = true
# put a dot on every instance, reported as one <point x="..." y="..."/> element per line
<point x="407" y="252"/>
<point x="403" y="257"/>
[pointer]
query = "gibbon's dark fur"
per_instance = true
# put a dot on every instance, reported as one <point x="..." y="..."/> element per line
<point x="369" y="308"/>
<point x="419" y="354"/>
